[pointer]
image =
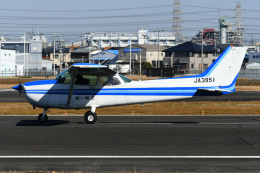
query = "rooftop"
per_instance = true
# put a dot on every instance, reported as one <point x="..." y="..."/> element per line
<point x="192" y="47"/>
<point x="83" y="50"/>
<point x="112" y="51"/>
<point x="253" y="62"/>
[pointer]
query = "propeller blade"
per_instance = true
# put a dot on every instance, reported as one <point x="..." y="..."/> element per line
<point x="18" y="88"/>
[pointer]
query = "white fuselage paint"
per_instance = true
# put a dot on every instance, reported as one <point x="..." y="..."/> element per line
<point x="125" y="93"/>
<point x="52" y="95"/>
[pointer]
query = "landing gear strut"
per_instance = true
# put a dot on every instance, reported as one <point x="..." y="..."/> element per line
<point x="90" y="116"/>
<point x="42" y="118"/>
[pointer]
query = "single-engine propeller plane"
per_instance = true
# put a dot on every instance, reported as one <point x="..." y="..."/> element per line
<point x="86" y="85"/>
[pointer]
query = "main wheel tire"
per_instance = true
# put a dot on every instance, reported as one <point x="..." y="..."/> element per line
<point x="42" y="119"/>
<point x="90" y="117"/>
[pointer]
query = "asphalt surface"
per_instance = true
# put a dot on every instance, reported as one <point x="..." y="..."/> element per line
<point x="14" y="96"/>
<point x="131" y="136"/>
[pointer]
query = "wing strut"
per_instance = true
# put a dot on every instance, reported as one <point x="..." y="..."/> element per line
<point x="74" y="73"/>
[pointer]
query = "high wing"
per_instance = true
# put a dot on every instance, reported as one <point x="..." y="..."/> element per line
<point x="86" y="69"/>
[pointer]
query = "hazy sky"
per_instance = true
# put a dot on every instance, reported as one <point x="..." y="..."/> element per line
<point x="70" y="18"/>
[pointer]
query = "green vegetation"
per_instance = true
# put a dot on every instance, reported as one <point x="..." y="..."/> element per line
<point x="146" y="65"/>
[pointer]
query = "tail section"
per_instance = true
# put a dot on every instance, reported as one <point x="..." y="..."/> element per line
<point x="226" y="68"/>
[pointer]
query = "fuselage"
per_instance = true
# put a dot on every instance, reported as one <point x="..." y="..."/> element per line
<point x="86" y="85"/>
<point x="53" y="94"/>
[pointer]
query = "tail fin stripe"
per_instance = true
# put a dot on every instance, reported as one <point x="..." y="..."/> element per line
<point x="231" y="85"/>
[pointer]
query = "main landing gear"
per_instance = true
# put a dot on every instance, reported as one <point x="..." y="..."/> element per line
<point x="90" y="116"/>
<point x="42" y="118"/>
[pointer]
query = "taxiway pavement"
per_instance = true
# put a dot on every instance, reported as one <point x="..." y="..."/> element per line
<point x="198" y="143"/>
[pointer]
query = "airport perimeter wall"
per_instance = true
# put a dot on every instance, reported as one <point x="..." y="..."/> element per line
<point x="249" y="74"/>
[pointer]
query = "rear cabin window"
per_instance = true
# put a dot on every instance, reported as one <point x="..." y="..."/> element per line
<point x="109" y="81"/>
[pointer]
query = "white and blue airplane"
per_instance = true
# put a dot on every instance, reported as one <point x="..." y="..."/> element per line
<point x="93" y="86"/>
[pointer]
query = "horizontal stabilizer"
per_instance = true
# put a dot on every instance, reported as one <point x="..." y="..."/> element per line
<point x="213" y="90"/>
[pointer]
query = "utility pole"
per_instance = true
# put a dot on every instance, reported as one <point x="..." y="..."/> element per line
<point x="0" y="55"/>
<point x="134" y="65"/>
<point x="252" y="42"/>
<point x="54" y="55"/>
<point x="81" y="39"/>
<point x="215" y="44"/>
<point x="88" y="39"/>
<point x="89" y="54"/>
<point x="27" y="58"/>
<point x="202" y="51"/>
<point x="60" y="60"/>
<point x="140" y="66"/>
<point x="158" y="63"/>
<point x="158" y="48"/>
<point x="24" y="54"/>
<point x="98" y="53"/>
<point x="130" y="58"/>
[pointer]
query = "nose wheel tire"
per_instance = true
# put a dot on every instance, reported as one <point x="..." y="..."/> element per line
<point x="42" y="119"/>
<point x="90" y="117"/>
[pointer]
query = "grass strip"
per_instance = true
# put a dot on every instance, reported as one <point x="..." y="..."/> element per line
<point x="159" y="108"/>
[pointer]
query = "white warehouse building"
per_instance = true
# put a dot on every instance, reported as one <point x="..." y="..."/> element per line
<point x="8" y="66"/>
<point x="17" y="57"/>
<point x="123" y="39"/>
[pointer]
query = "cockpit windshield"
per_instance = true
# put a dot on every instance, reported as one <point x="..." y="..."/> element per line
<point x="125" y="79"/>
<point x="64" y="77"/>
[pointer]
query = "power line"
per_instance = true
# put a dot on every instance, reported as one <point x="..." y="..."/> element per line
<point x="208" y="7"/>
<point x="76" y="11"/>
<point x="80" y="18"/>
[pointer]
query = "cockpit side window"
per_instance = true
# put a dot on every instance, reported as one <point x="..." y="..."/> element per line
<point x="64" y="77"/>
<point x="86" y="80"/>
<point x="109" y="81"/>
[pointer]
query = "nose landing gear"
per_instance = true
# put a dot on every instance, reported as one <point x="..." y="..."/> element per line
<point x="42" y="118"/>
<point x="90" y="116"/>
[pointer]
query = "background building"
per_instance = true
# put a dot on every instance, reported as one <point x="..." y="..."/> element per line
<point x="187" y="56"/>
<point x="253" y="65"/>
<point x="253" y="56"/>
<point x="62" y="57"/>
<point x="145" y="52"/>
<point x="106" y="57"/>
<point x="8" y="64"/>
<point x="122" y="39"/>
<point x="23" y="55"/>
<point x="225" y="35"/>
<point x="82" y="55"/>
